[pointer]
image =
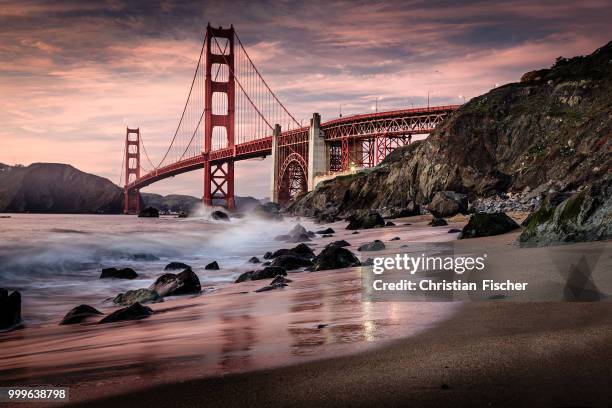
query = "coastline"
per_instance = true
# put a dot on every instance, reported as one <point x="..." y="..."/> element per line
<point x="230" y="346"/>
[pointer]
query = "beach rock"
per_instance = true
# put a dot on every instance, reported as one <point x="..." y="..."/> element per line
<point x="136" y="296"/>
<point x="453" y="230"/>
<point x="170" y="284"/>
<point x="339" y="244"/>
<point x="213" y="266"/>
<point x="254" y="260"/>
<point x="291" y="262"/>
<point x="133" y="312"/>
<point x="268" y="211"/>
<point x="354" y="232"/>
<point x="149" y="212"/>
<point x="376" y="245"/>
<point x="438" y="222"/>
<point x="183" y="215"/>
<point x="447" y="204"/>
<point x="389" y="224"/>
<point x="411" y="209"/>
<point x="280" y="279"/>
<point x="10" y="309"/>
<point x="583" y="216"/>
<point x="267" y="263"/>
<point x="79" y="314"/>
<point x="271" y="286"/>
<point x="327" y="235"/>
<point x="268" y="272"/>
<point x="176" y="265"/>
<point x="365" y="220"/>
<point x="219" y="216"/>
<point x="326" y="231"/>
<point x="267" y="255"/>
<point x="485" y="225"/>
<point x="302" y="250"/>
<point x="333" y="257"/>
<point x="124" y="273"/>
<point x="395" y="239"/>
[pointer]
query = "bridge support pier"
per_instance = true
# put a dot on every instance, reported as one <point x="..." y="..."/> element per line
<point x="274" y="174"/>
<point x="318" y="158"/>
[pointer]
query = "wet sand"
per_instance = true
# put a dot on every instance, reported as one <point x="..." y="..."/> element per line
<point x="231" y="348"/>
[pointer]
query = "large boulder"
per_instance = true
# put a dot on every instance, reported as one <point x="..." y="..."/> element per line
<point x="327" y="230"/>
<point x="133" y="312"/>
<point x="170" y="284"/>
<point x="149" y="212"/>
<point x="10" y="309"/>
<point x="291" y="261"/>
<point x="79" y="314"/>
<point x="584" y="216"/>
<point x="297" y="234"/>
<point x="213" y="266"/>
<point x="447" y="204"/>
<point x="137" y="296"/>
<point x="268" y="272"/>
<point x="301" y="250"/>
<point x="123" y="273"/>
<point x="172" y="266"/>
<point x="485" y="225"/>
<point x="334" y="257"/>
<point x="365" y="220"/>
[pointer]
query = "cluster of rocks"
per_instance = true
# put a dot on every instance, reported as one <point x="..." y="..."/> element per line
<point x="297" y="234"/>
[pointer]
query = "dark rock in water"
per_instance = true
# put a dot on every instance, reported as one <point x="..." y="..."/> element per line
<point x="389" y="224"/>
<point x="272" y="286"/>
<point x="125" y="273"/>
<point x="149" y="212"/>
<point x="10" y="309"/>
<point x="254" y="260"/>
<point x="172" y="266"/>
<point x="268" y="272"/>
<point x="327" y="235"/>
<point x="170" y="284"/>
<point x="302" y="250"/>
<point x="341" y="243"/>
<point x="79" y="313"/>
<point x="280" y="279"/>
<point x="584" y="216"/>
<point x="299" y="238"/>
<point x="333" y="257"/>
<point x="133" y="312"/>
<point x="376" y="245"/>
<point x="365" y="220"/>
<point x="291" y="261"/>
<point x="438" y="222"/>
<point x="213" y="266"/>
<point x="355" y="232"/>
<point x="136" y="296"/>
<point x="297" y="234"/>
<point x="321" y="326"/>
<point x="453" y="230"/>
<point x="219" y="216"/>
<point x="395" y="239"/>
<point x="447" y="204"/>
<point x="267" y="255"/>
<point x="183" y="215"/>
<point x="368" y="262"/>
<point x="143" y="257"/>
<point x="268" y="211"/>
<point x="485" y="225"/>
<point x="326" y="231"/>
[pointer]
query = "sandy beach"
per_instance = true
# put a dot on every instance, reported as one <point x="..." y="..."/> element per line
<point x="317" y="343"/>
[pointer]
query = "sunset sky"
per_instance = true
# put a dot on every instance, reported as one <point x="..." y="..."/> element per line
<point x="74" y="74"/>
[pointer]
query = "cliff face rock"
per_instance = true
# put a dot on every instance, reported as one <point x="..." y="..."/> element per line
<point x="553" y="127"/>
<point x="56" y="188"/>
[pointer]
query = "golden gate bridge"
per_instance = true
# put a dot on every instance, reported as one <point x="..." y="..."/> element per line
<point x="231" y="114"/>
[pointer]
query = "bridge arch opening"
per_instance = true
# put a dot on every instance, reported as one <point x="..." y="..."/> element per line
<point x="293" y="178"/>
<point x="219" y="137"/>
<point x="219" y="103"/>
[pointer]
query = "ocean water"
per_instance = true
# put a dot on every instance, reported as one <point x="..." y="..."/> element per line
<point x="55" y="260"/>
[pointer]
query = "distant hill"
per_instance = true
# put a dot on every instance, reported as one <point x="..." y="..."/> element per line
<point x="61" y="188"/>
<point x="56" y="188"/>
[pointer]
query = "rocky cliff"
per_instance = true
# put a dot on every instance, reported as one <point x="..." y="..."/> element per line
<point x="550" y="131"/>
<point x="56" y="188"/>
